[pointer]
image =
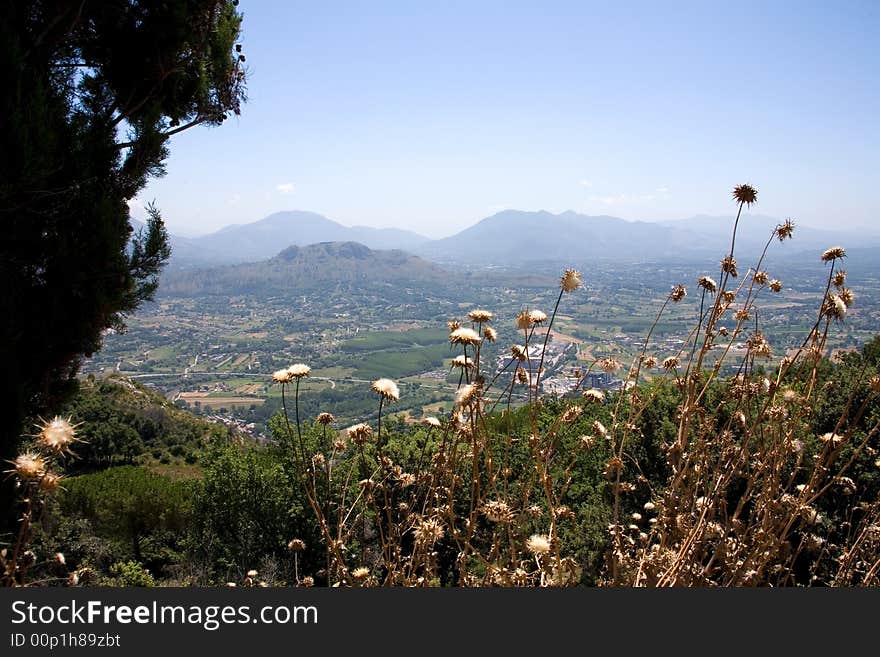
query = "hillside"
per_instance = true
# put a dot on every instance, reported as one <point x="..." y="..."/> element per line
<point x="514" y="236"/>
<point x="122" y="421"/>
<point x="299" y="269"/>
<point x="261" y="239"/>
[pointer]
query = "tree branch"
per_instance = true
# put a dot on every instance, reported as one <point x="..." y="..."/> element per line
<point x="166" y="135"/>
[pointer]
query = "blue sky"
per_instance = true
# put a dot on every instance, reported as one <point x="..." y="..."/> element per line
<point x="431" y="116"/>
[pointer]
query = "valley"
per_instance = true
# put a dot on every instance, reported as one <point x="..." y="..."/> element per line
<point x="213" y="337"/>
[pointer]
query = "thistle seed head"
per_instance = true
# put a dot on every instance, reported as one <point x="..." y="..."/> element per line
<point x="745" y="194"/>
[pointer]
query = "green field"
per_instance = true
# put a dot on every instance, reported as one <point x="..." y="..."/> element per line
<point x="396" y="364"/>
<point x="374" y="341"/>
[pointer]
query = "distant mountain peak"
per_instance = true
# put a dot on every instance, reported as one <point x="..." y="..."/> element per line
<point x="260" y="240"/>
<point x="343" y="250"/>
<point x="307" y="268"/>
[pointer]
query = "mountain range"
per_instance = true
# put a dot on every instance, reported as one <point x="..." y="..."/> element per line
<point x="513" y="237"/>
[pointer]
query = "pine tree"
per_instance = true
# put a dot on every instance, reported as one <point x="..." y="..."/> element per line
<point x="92" y="92"/>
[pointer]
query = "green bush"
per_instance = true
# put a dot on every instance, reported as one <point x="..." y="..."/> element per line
<point x="129" y="573"/>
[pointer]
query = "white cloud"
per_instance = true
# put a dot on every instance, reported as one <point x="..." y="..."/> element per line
<point x="235" y="198"/>
<point x="285" y="188"/>
<point x="663" y="190"/>
<point x="586" y="183"/>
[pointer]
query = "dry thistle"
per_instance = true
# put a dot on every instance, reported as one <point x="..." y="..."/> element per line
<point x="462" y="362"/>
<point x="587" y="442"/>
<point x="608" y="364"/>
<point x="428" y="532"/>
<point x="834" y="253"/>
<point x="523" y="320"/>
<point x="519" y="352"/>
<point x="785" y="230"/>
<point x="28" y="466"/>
<point x="678" y="293"/>
<point x="571" y="414"/>
<point x="570" y="280"/>
<point x="745" y="194"/>
<point x="466" y="394"/>
<point x="296" y="545"/>
<point x="613" y="467"/>
<point x="537" y="316"/>
<point x="453" y="324"/>
<point x="386" y="389"/>
<point x="708" y="284"/>
<point x="431" y="421"/>
<point x="759" y="346"/>
<point x="498" y="511"/>
<point x="789" y="396"/>
<point x="760" y="277"/>
<point x="50" y="483"/>
<point x="490" y="334"/>
<point x="728" y="265"/>
<point x="670" y="363"/>
<point x="480" y="316"/>
<point x="593" y="395"/>
<point x="835" y="307"/>
<point x="464" y="336"/>
<point x="299" y="370"/>
<point x="57" y="435"/>
<point x="776" y="285"/>
<point x="833" y="438"/>
<point x="282" y="376"/>
<point x="538" y="544"/>
<point x="839" y="278"/>
<point x="359" y="434"/>
<point x="325" y="419"/>
<point x="563" y="512"/>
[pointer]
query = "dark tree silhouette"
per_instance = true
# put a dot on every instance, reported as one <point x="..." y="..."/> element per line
<point x="92" y="91"/>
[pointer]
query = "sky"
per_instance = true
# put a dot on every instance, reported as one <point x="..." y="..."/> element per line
<point x="432" y="116"/>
